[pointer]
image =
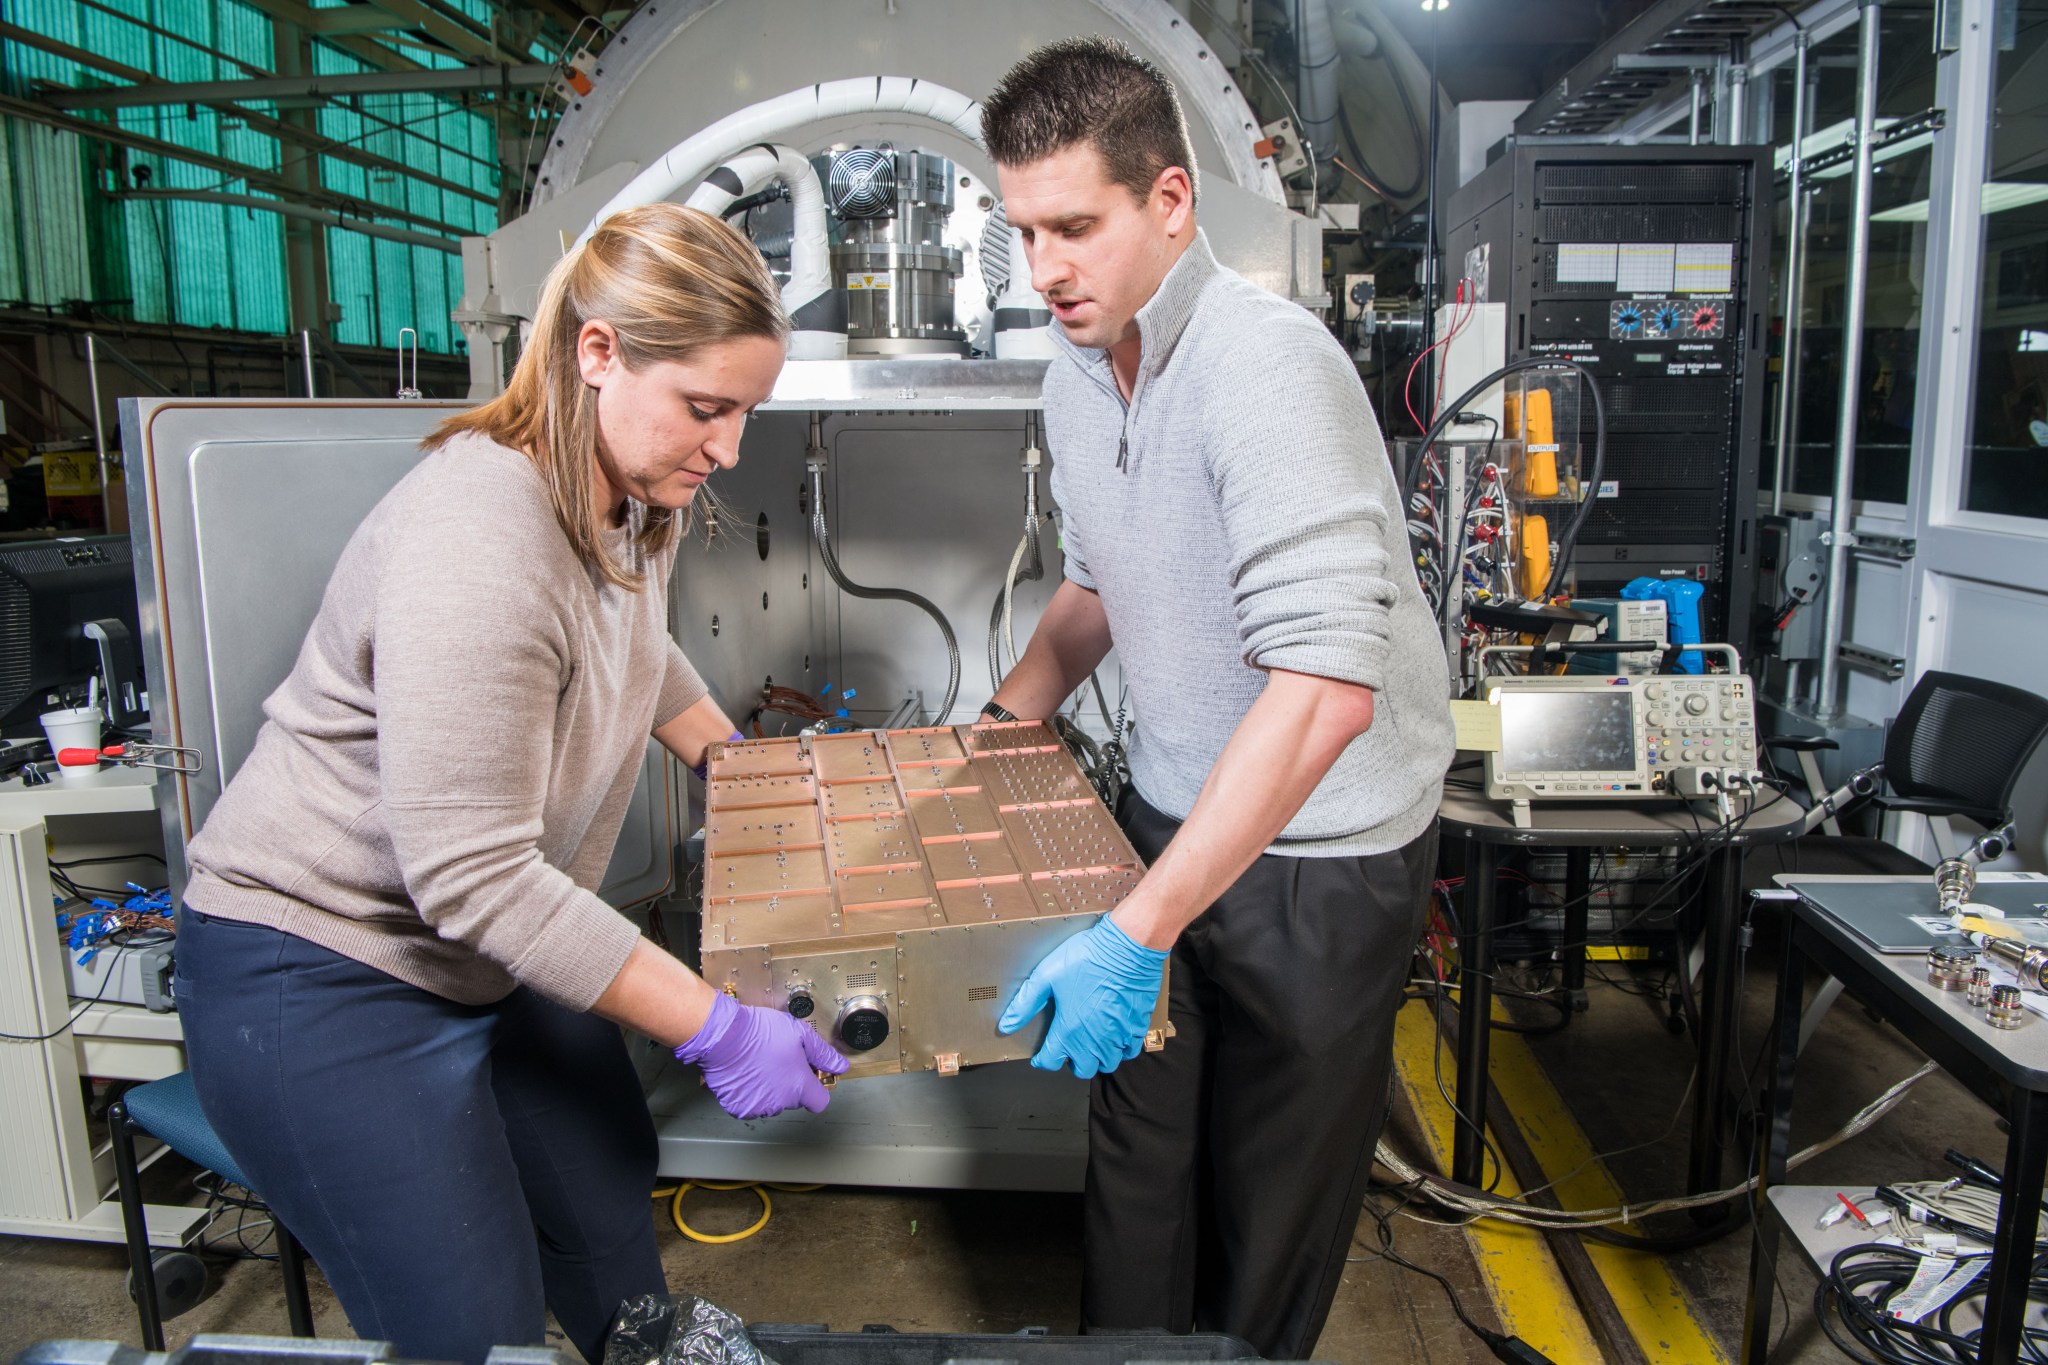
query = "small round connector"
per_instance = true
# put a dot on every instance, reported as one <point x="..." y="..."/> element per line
<point x="2007" y="1009"/>
<point x="801" y="1006"/>
<point x="1980" y="986"/>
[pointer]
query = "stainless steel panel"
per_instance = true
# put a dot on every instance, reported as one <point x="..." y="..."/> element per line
<point x="955" y="982"/>
<point x="239" y="510"/>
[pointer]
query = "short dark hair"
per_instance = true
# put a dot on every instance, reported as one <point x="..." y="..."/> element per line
<point x="1092" y="90"/>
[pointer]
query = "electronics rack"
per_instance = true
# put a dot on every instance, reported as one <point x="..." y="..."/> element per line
<point x="1647" y="265"/>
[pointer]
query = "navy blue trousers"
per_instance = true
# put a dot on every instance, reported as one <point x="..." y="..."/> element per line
<point x="454" y="1170"/>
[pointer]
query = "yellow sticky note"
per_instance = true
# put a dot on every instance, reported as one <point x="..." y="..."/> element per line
<point x="1478" y="725"/>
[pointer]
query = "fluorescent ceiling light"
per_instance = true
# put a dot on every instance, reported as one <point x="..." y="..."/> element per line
<point x="1998" y="196"/>
<point x="1429" y="5"/>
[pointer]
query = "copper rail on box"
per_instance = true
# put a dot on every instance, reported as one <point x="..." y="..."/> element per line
<point x="897" y="886"/>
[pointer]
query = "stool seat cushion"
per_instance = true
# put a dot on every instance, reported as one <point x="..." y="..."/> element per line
<point x="168" y="1110"/>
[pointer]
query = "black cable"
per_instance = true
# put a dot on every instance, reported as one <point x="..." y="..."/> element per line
<point x="105" y="981"/>
<point x="1365" y="167"/>
<point x="1503" y="1346"/>
<point x="1432" y="258"/>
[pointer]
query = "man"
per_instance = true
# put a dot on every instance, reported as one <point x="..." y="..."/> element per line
<point x="1234" y="530"/>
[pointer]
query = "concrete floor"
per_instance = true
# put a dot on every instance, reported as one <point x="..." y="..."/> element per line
<point x="966" y="1262"/>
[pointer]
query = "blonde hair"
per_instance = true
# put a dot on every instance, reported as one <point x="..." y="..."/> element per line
<point x="671" y="281"/>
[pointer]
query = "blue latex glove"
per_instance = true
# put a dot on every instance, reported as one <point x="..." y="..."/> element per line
<point x="759" y="1062"/>
<point x="1102" y="985"/>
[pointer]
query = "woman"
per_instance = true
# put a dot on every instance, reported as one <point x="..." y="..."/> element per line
<point x="399" y="988"/>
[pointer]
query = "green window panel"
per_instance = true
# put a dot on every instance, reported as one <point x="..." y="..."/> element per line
<point x="65" y="237"/>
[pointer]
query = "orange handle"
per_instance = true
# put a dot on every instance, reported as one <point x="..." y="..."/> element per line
<point x="77" y="758"/>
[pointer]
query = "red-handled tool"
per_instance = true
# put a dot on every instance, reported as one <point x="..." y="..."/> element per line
<point x="170" y="758"/>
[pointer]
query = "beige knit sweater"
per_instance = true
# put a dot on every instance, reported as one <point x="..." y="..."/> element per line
<point x="444" y="774"/>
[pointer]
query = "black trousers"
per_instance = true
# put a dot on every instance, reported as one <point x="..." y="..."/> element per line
<point x="454" y="1170"/>
<point x="1226" y="1173"/>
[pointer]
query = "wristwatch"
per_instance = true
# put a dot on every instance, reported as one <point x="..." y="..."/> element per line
<point x="995" y="712"/>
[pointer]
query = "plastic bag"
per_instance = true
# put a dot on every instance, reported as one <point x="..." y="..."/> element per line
<point x="655" y="1329"/>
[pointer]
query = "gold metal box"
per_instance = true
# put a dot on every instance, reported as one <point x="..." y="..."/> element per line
<point x="897" y="886"/>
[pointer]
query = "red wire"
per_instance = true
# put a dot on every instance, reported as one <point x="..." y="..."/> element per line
<point x="1458" y="321"/>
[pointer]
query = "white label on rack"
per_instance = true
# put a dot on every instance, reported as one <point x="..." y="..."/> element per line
<point x="1609" y="488"/>
<point x="1705" y="267"/>
<point x="1585" y="262"/>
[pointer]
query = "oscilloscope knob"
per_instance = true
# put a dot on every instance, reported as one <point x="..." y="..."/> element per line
<point x="1696" y="705"/>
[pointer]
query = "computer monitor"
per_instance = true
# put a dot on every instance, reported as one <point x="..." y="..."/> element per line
<point x="50" y="590"/>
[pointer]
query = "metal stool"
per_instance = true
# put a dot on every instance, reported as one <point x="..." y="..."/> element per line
<point x="168" y="1110"/>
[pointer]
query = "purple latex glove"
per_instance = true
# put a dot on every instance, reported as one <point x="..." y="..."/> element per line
<point x="705" y="767"/>
<point x="759" y="1062"/>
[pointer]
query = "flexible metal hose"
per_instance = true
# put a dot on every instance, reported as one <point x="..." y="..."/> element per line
<point x="1000" y="631"/>
<point x="823" y="536"/>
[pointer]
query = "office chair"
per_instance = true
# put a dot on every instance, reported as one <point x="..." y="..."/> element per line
<point x="1956" y="749"/>
<point x="168" y="1110"/>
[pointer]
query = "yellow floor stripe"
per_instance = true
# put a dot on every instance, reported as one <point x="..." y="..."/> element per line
<point x="1651" y="1302"/>
<point x="1529" y="1292"/>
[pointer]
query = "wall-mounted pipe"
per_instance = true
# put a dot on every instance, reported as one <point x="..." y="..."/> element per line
<point x="1795" y="282"/>
<point x="815" y="307"/>
<point x="690" y="160"/>
<point x="1827" y="702"/>
<point x="1316" y="73"/>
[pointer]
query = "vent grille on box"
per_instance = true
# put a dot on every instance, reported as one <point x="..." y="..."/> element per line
<point x="1659" y="405"/>
<point x="1667" y="517"/>
<point x="1664" y="461"/>
<point x="860" y="981"/>
<point x="14" y="644"/>
<point x="981" y="992"/>
<point x="1610" y="184"/>
<point x="1639" y="223"/>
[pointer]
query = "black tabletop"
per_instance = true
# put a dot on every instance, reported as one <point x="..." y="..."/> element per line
<point x="1661" y="823"/>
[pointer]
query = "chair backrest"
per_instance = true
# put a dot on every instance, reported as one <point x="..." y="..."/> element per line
<point x="1965" y="740"/>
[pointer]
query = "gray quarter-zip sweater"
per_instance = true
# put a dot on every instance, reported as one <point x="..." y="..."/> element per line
<point x="1239" y="515"/>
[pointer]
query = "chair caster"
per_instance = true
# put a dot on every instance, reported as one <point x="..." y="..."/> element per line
<point x="180" y="1282"/>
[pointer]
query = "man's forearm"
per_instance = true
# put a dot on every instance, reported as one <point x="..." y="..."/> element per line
<point x="1071" y="639"/>
<point x="1278" y="754"/>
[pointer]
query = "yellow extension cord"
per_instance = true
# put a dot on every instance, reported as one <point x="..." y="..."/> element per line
<point x="675" y="1194"/>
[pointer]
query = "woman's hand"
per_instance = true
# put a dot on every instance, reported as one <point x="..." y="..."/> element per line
<point x="759" y="1062"/>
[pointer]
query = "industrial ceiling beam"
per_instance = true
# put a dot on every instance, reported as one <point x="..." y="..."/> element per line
<point x="460" y="38"/>
<point x="354" y="44"/>
<point x="1600" y="92"/>
<point x="304" y="212"/>
<point x="253" y="177"/>
<point x="262" y="123"/>
<point x="461" y="80"/>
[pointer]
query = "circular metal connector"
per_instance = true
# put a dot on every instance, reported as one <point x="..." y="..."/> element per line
<point x="801" y="1005"/>
<point x="863" y="1024"/>
<point x="1980" y="986"/>
<point x="2006" y="1010"/>
<point x="1949" y="966"/>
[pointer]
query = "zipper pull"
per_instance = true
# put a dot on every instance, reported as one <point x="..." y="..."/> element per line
<point x="1123" y="449"/>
